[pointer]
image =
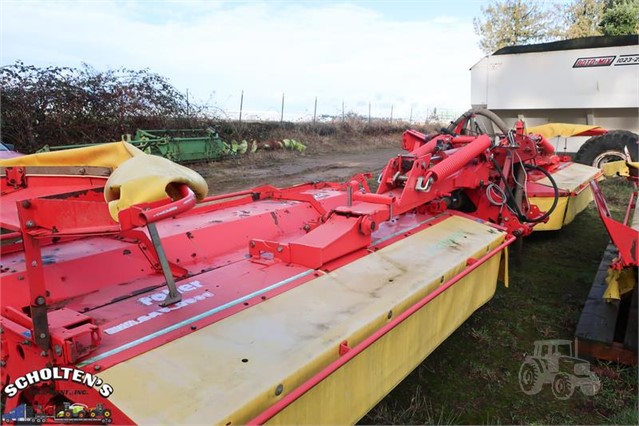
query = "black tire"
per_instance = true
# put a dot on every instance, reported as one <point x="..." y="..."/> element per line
<point x="602" y="149"/>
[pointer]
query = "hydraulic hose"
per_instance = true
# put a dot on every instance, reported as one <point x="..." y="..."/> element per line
<point x="555" y="189"/>
<point x="511" y="196"/>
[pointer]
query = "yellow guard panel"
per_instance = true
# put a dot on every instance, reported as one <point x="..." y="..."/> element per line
<point x="574" y="179"/>
<point x="290" y="338"/>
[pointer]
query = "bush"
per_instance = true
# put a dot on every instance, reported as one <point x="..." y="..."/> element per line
<point x="62" y="105"/>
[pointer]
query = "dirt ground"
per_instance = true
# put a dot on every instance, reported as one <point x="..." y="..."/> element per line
<point x="284" y="169"/>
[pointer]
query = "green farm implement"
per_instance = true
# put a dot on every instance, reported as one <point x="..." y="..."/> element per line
<point x="191" y="145"/>
<point x="180" y="145"/>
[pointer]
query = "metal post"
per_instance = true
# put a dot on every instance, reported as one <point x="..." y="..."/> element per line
<point x="410" y="120"/>
<point x="369" y="113"/>
<point x="241" y="104"/>
<point x="187" y="103"/>
<point x="391" y="119"/>
<point x="342" y="110"/>
<point x="315" y="110"/>
<point x="174" y="295"/>
<point x="282" y="114"/>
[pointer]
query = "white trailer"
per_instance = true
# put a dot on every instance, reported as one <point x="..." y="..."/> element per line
<point x="591" y="80"/>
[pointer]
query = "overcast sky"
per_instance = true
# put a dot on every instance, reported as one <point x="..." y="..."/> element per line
<point x="405" y="54"/>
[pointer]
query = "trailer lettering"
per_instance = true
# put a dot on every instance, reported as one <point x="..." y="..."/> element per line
<point x="627" y="60"/>
<point x="598" y="61"/>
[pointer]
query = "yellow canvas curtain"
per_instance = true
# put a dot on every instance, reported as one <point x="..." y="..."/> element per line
<point x="551" y="130"/>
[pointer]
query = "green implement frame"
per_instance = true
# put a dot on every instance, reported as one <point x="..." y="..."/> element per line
<point x="179" y="145"/>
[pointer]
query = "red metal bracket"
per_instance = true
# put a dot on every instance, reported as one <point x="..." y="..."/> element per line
<point x="16" y="177"/>
<point x="623" y="237"/>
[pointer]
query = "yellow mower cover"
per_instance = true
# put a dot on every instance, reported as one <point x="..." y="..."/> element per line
<point x="136" y="178"/>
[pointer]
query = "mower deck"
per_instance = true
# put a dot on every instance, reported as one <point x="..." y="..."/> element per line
<point x="299" y="305"/>
<point x="236" y="366"/>
<point x="246" y="325"/>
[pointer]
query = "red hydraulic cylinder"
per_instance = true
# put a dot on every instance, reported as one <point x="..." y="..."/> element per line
<point x="460" y="158"/>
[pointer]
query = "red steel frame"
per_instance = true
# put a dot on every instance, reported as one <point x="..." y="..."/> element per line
<point x="64" y="315"/>
<point x="622" y="235"/>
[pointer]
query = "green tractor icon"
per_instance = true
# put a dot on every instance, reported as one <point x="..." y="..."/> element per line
<point x="553" y="362"/>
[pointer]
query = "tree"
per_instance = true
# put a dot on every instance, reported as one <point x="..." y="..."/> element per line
<point x="513" y="22"/>
<point x="582" y="18"/>
<point x="621" y="17"/>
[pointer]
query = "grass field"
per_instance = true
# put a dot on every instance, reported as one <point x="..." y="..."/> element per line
<point x="472" y="378"/>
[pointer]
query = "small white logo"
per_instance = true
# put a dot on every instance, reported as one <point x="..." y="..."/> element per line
<point x="553" y="362"/>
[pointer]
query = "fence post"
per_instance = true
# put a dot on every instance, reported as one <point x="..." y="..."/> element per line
<point x="282" y="114"/>
<point x="241" y="104"/>
<point x="315" y="110"/>
<point x="187" y="103"/>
